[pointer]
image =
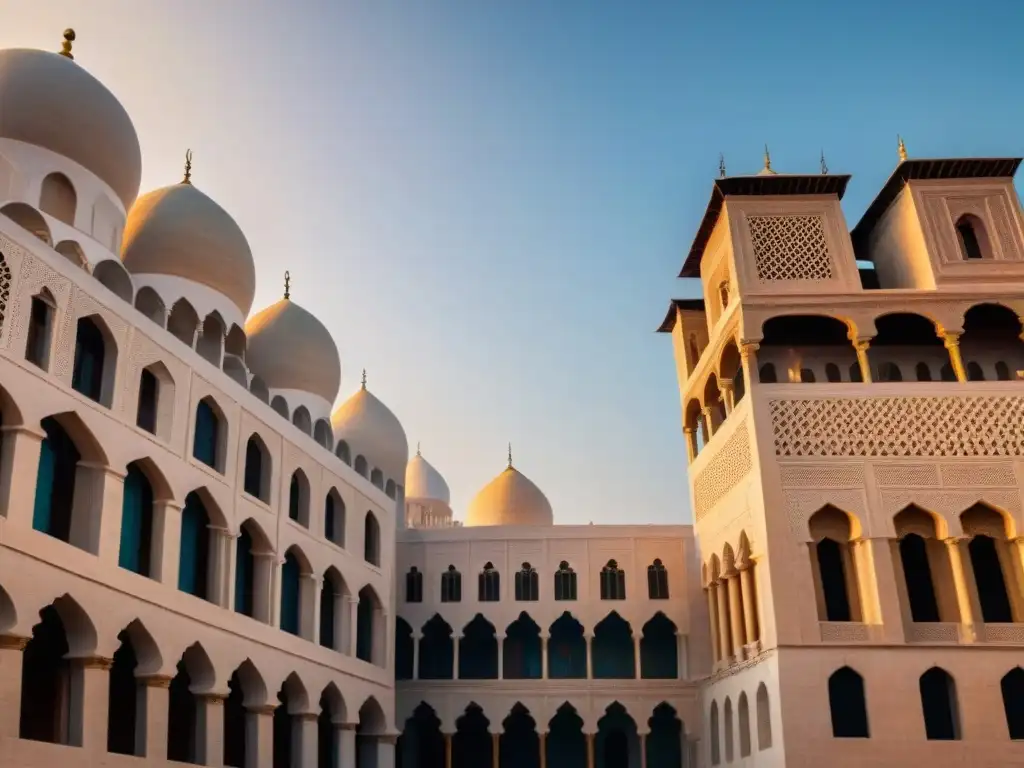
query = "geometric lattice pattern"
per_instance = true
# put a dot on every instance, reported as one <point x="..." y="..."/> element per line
<point x="726" y="468"/>
<point x="790" y="248"/>
<point x="899" y="426"/>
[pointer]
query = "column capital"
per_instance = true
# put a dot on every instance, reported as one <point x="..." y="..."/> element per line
<point x="861" y="343"/>
<point x="950" y="338"/>
<point x="94" y="662"/>
<point x="262" y="709"/>
<point x="348" y="726"/>
<point x="309" y="717"/>
<point x="155" y="681"/>
<point x="210" y="698"/>
<point x="748" y="347"/>
<point x="952" y="541"/>
<point x="725" y="385"/>
<point x="104" y="468"/>
<point x="13" y="642"/>
<point x="387" y="738"/>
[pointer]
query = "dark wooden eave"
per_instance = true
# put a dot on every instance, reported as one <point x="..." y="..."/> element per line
<point x="696" y="305"/>
<point x="942" y="168"/>
<point x="755" y="186"/>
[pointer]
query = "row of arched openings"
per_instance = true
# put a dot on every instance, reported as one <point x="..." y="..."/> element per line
<point x="613" y="650"/>
<point x="616" y="743"/>
<point x="751" y="735"/>
<point x="940" y="707"/>
<point x="527" y="583"/>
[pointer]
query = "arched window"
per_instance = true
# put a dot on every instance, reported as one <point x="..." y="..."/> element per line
<point x="361" y="466"/>
<point x="290" y="589"/>
<point x="565" y="582"/>
<point x="58" y="198"/>
<point x="194" y="549"/>
<point x="521" y="650"/>
<point x="377" y="478"/>
<point x="245" y="572"/>
<point x="451" y="586"/>
<point x="334" y="518"/>
<point x="206" y="442"/>
<point x="303" y="420"/>
<point x="55" y="482"/>
<point x="47" y="696"/>
<point x="657" y="581"/>
<point x="923" y="372"/>
<point x="767" y="375"/>
<point x="149" y="392"/>
<point x="987" y="549"/>
<point x="437" y="650"/>
<point x="298" y="498"/>
<point x="40" y="329"/>
<point x="1002" y="371"/>
<point x="93" y="371"/>
<point x="924" y="605"/>
<point x="404" y="656"/>
<point x="716" y="747"/>
<point x="764" y="719"/>
<point x="847" y="704"/>
<point x="478" y="650"/>
<point x="946" y="373"/>
<point x="1012" y="687"/>
<point x="727" y="711"/>
<point x="807" y="376"/>
<point x="371" y="540"/>
<point x="743" y="715"/>
<point x="414" y="586"/>
<point x="613" y="648"/>
<point x="488" y="585"/>
<point x="369" y="626"/>
<point x="969" y="232"/>
<point x="974" y="372"/>
<point x="832" y="372"/>
<point x="331" y="629"/>
<point x="889" y="372"/>
<point x="567" y="649"/>
<point x="659" y="657"/>
<point x="526" y="585"/>
<point x="856" y="375"/>
<point x="939" y="705"/>
<point x="613" y="582"/>
<point x="257" y="469"/>
<point x="136" y="522"/>
<point x="343" y="452"/>
<point x="390" y="489"/>
<point x="833" y="564"/>
<point x="280" y="406"/>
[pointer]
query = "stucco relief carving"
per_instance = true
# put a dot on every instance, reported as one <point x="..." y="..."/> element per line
<point x="1004" y="633"/>
<point x="725" y="469"/>
<point x="32" y="275"/>
<point x="899" y="426"/>
<point x="822" y="475"/>
<point x="975" y="474"/>
<point x="906" y="474"/>
<point x="800" y="505"/>
<point x="950" y="503"/>
<point x="82" y="305"/>
<point x="843" y="632"/>
<point x="790" y="248"/>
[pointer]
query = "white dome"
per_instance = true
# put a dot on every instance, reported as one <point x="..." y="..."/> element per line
<point x="373" y="431"/>
<point x="510" y="499"/>
<point x="50" y="101"/>
<point x="290" y="349"/>
<point x="180" y="231"/>
<point x="423" y="481"/>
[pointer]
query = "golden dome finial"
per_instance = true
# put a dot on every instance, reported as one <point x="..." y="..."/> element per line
<point x="65" y="47"/>
<point x="288" y="285"/>
<point x="510" y="455"/>
<point x="901" y="148"/>
<point x="721" y="165"/>
<point x="188" y="167"/>
<point x="767" y="159"/>
<point x="364" y="378"/>
<point x="824" y="167"/>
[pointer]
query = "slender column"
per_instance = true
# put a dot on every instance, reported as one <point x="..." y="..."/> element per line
<point x="221" y="558"/>
<point x="210" y="733"/>
<point x="748" y="594"/>
<point x="19" y="466"/>
<point x="309" y="606"/>
<point x="682" y="657"/>
<point x="416" y="638"/>
<point x="275" y="591"/>
<point x="691" y="442"/>
<point x="306" y="754"/>
<point x="90" y="697"/>
<point x="748" y="359"/>
<point x="590" y="750"/>
<point x="544" y="654"/>
<point x="543" y="738"/>
<point x="711" y="590"/>
<point x="589" y="637"/>
<point x="963" y="592"/>
<point x="11" y="647"/>
<point x="637" y="666"/>
<point x="501" y="657"/>
<point x="724" y="644"/>
<point x="495" y="750"/>
<point x="151" y="728"/>
<point x="728" y="395"/>
<point x="385" y="752"/>
<point x="860" y="346"/>
<point x="353" y="624"/>
<point x="737" y="631"/>
<point x="166" y="541"/>
<point x="951" y="340"/>
<point x="447" y="750"/>
<point x="347" y="753"/>
<point x="642" y="738"/>
<point x="456" y="642"/>
<point x="262" y="586"/>
<point x="709" y="423"/>
<point x="259" y="737"/>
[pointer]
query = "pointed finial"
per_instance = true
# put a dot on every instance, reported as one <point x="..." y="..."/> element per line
<point x="364" y="378"/>
<point x="287" y="284"/>
<point x="721" y="165"/>
<point x="824" y="167"/>
<point x="767" y="159"/>
<point x="418" y="449"/>
<point x="510" y="455"/>
<point x="65" y="48"/>
<point x="901" y="148"/>
<point x="188" y="167"/>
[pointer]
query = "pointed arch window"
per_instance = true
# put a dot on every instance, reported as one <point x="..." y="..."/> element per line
<point x="527" y="586"/>
<point x="1012" y="688"/>
<point x="414" y="586"/>
<point x="206" y="441"/>
<point x="847" y="705"/>
<point x="40" y="329"/>
<point x="90" y="361"/>
<point x="565" y="582"/>
<point x="969" y="234"/>
<point x="489" y="584"/>
<point x="257" y="469"/>
<point x="613" y="582"/>
<point x="149" y="391"/>
<point x="939" y="705"/>
<point x="657" y="581"/>
<point x="136" y="522"/>
<point x="371" y="540"/>
<point x="451" y="586"/>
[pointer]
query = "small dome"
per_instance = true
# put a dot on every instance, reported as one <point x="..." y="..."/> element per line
<point x="50" y="101"/>
<point x="372" y="430"/>
<point x="290" y="349"/>
<point x="423" y="481"/>
<point x="510" y="499"/>
<point x="179" y="231"/>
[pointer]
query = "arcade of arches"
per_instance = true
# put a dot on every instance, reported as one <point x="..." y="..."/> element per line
<point x="657" y="740"/>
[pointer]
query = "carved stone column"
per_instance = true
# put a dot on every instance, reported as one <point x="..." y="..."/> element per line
<point x="259" y="737"/>
<point x="210" y="733"/>
<point x="588" y="636"/>
<point x="544" y="656"/>
<point x="416" y="638"/>
<point x="691" y="443"/>
<point x="737" y="629"/>
<point x="748" y="593"/>
<point x="748" y="359"/>
<point x="951" y="340"/>
<point x="637" y="659"/>
<point x="306" y="725"/>
<point x="860" y="346"/>
<point x="725" y="386"/>
<point x="166" y="541"/>
<point x="501" y="656"/>
<point x="90" y="699"/>
<point x="961" y="585"/>
<point x="151" y="727"/>
<point x="455" y="656"/>
<point x="353" y="624"/>
<point x="724" y="638"/>
<point x="709" y="423"/>
<point x="711" y="590"/>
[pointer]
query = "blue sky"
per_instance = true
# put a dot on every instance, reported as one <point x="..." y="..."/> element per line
<point x="487" y="202"/>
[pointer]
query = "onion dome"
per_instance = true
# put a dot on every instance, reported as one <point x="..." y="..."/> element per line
<point x="180" y="231"/>
<point x="424" y="482"/>
<point x="290" y="349"/>
<point x="510" y="499"/>
<point x="48" y="100"/>
<point x="373" y="431"/>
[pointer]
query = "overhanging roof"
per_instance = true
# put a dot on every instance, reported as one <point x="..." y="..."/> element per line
<point x="670" y="316"/>
<point x="760" y="185"/>
<point x="942" y="168"/>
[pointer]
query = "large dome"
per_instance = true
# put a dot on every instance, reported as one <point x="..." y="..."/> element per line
<point x="423" y="481"/>
<point x="373" y="431"/>
<point x="290" y="349"/>
<point x="50" y="101"/>
<point x="179" y="231"/>
<point x="510" y="499"/>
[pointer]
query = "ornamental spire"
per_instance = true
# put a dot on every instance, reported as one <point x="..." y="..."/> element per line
<point x="364" y="378"/>
<point x="824" y="167"/>
<point x="767" y="159"/>
<point x="721" y="165"/>
<point x="65" y="47"/>
<point x="510" y="456"/>
<point x="287" y="284"/>
<point x="901" y="148"/>
<point x="188" y="167"/>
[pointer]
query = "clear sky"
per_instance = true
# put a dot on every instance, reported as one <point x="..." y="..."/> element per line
<point x="487" y="202"/>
